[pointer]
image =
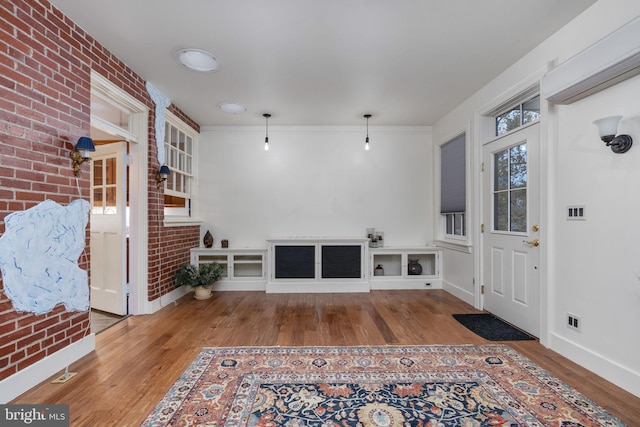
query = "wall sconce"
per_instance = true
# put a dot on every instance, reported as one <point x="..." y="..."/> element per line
<point x="608" y="127"/>
<point x="162" y="174"/>
<point x="80" y="153"/>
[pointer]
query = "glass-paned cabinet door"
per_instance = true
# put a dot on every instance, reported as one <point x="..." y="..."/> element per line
<point x="220" y="259"/>
<point x="248" y="265"/>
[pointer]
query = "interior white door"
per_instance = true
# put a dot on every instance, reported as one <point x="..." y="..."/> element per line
<point x="511" y="215"/>
<point x="108" y="229"/>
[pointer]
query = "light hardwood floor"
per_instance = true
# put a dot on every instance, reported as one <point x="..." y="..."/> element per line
<point x="138" y="359"/>
<point x="101" y="320"/>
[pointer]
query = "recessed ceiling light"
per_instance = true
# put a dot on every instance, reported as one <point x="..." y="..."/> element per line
<point x="232" y="107"/>
<point x="198" y="60"/>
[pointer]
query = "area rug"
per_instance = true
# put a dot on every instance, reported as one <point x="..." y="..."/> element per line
<point x="423" y="386"/>
<point x="491" y="328"/>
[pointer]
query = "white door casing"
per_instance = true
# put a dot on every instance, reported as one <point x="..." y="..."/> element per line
<point x="108" y="229"/>
<point x="511" y="217"/>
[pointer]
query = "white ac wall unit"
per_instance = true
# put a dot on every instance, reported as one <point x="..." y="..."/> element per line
<point x="609" y="61"/>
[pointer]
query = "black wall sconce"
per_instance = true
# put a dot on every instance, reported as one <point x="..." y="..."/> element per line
<point x="80" y="153"/>
<point x="608" y="127"/>
<point x="162" y="174"/>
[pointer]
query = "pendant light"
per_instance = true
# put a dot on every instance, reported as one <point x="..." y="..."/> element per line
<point x="366" y="141"/>
<point x="266" y="137"/>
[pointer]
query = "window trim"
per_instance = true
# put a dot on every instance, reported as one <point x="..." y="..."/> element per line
<point x="450" y="241"/>
<point x="176" y="219"/>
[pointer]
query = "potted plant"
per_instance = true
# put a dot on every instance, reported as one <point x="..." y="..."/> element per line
<point x="200" y="277"/>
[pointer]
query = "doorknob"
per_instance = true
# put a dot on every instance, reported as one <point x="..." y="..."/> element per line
<point x="534" y="242"/>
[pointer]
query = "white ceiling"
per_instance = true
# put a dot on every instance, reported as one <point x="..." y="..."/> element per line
<point x="407" y="62"/>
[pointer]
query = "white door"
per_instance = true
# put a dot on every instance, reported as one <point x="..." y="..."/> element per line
<point x="108" y="229"/>
<point x="511" y="214"/>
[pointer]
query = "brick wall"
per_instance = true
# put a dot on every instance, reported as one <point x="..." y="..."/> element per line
<point x="45" y="66"/>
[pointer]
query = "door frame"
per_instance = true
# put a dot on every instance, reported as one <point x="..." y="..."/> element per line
<point x="484" y="126"/>
<point x="138" y="186"/>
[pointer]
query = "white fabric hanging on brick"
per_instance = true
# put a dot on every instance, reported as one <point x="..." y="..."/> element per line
<point x="39" y="254"/>
<point x="162" y="102"/>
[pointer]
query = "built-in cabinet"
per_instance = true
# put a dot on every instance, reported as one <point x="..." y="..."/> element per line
<point x="323" y="265"/>
<point x="244" y="269"/>
<point x="405" y="268"/>
<point x="317" y="265"/>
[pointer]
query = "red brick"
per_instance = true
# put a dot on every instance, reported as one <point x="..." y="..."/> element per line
<point x="30" y="340"/>
<point x="7" y="350"/>
<point x="45" y="63"/>
<point x="6" y="371"/>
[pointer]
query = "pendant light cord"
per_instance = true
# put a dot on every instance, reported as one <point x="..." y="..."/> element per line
<point x="266" y="136"/>
<point x="366" y="141"/>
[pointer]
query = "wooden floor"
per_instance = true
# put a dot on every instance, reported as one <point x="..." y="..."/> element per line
<point x="138" y="359"/>
<point x="101" y="320"/>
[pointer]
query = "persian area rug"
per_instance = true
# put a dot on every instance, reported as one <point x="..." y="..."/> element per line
<point x="388" y="386"/>
<point x="491" y="328"/>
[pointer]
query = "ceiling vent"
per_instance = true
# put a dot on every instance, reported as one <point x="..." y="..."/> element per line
<point x="611" y="60"/>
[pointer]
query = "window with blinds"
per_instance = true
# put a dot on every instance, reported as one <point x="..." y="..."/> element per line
<point x="453" y="186"/>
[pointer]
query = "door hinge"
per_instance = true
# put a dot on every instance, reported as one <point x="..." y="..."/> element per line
<point x="127" y="288"/>
<point x="482" y="169"/>
<point x="482" y="290"/>
<point x="482" y="228"/>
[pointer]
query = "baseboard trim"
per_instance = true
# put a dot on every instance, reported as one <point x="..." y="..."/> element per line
<point x="316" y="287"/>
<point x="31" y="376"/>
<point x="167" y="299"/>
<point x="240" y="285"/>
<point x="401" y="284"/>
<point x="611" y="371"/>
<point x="458" y="292"/>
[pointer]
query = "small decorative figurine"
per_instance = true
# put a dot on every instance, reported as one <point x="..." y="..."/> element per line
<point x="208" y="239"/>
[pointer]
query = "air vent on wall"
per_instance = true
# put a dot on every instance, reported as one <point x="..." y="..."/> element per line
<point x="609" y="61"/>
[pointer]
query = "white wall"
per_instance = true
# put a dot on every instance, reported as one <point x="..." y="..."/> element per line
<point x="458" y="274"/>
<point x="591" y="268"/>
<point x="597" y="263"/>
<point x="315" y="182"/>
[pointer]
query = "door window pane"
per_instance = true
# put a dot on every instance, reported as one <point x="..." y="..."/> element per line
<point x="518" y="166"/>
<point x="518" y="213"/>
<point x="531" y="110"/>
<point x="510" y="189"/>
<point x="508" y="121"/>
<point x="110" y="172"/>
<point x="521" y="114"/>
<point x="97" y="172"/>
<point x="97" y="200"/>
<point x="501" y="172"/>
<point x="500" y="212"/>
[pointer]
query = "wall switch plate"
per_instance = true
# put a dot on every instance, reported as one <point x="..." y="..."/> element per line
<point x="577" y="212"/>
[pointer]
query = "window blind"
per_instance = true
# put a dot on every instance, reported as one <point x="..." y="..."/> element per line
<point x="453" y="176"/>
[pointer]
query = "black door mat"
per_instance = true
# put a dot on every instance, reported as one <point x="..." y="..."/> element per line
<point x="491" y="328"/>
